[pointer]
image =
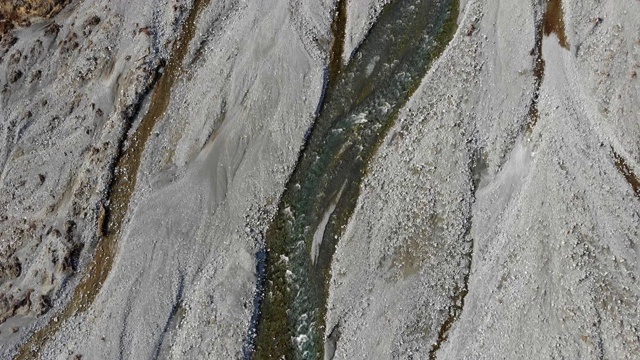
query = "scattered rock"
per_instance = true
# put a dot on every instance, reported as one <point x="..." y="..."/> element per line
<point x="43" y="305"/>
<point x="53" y="29"/>
<point x="36" y="75"/>
<point x="102" y="215"/>
<point x="15" y="76"/>
<point x="21" y="12"/>
<point x="92" y="21"/>
<point x="71" y="258"/>
<point x="11" y="269"/>
<point x="471" y="29"/>
<point x="145" y="30"/>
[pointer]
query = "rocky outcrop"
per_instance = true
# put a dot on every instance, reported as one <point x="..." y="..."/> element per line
<point x="22" y="12"/>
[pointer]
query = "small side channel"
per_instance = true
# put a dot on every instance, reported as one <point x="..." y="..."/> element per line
<point x="123" y="183"/>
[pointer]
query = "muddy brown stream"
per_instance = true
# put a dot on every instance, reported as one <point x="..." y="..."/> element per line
<point x="121" y="189"/>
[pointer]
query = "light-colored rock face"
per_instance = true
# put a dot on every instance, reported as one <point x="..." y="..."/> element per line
<point x="478" y="233"/>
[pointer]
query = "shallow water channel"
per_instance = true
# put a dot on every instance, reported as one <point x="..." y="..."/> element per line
<point x="361" y="102"/>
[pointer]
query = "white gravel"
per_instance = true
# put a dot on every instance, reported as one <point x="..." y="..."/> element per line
<point x="552" y="225"/>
